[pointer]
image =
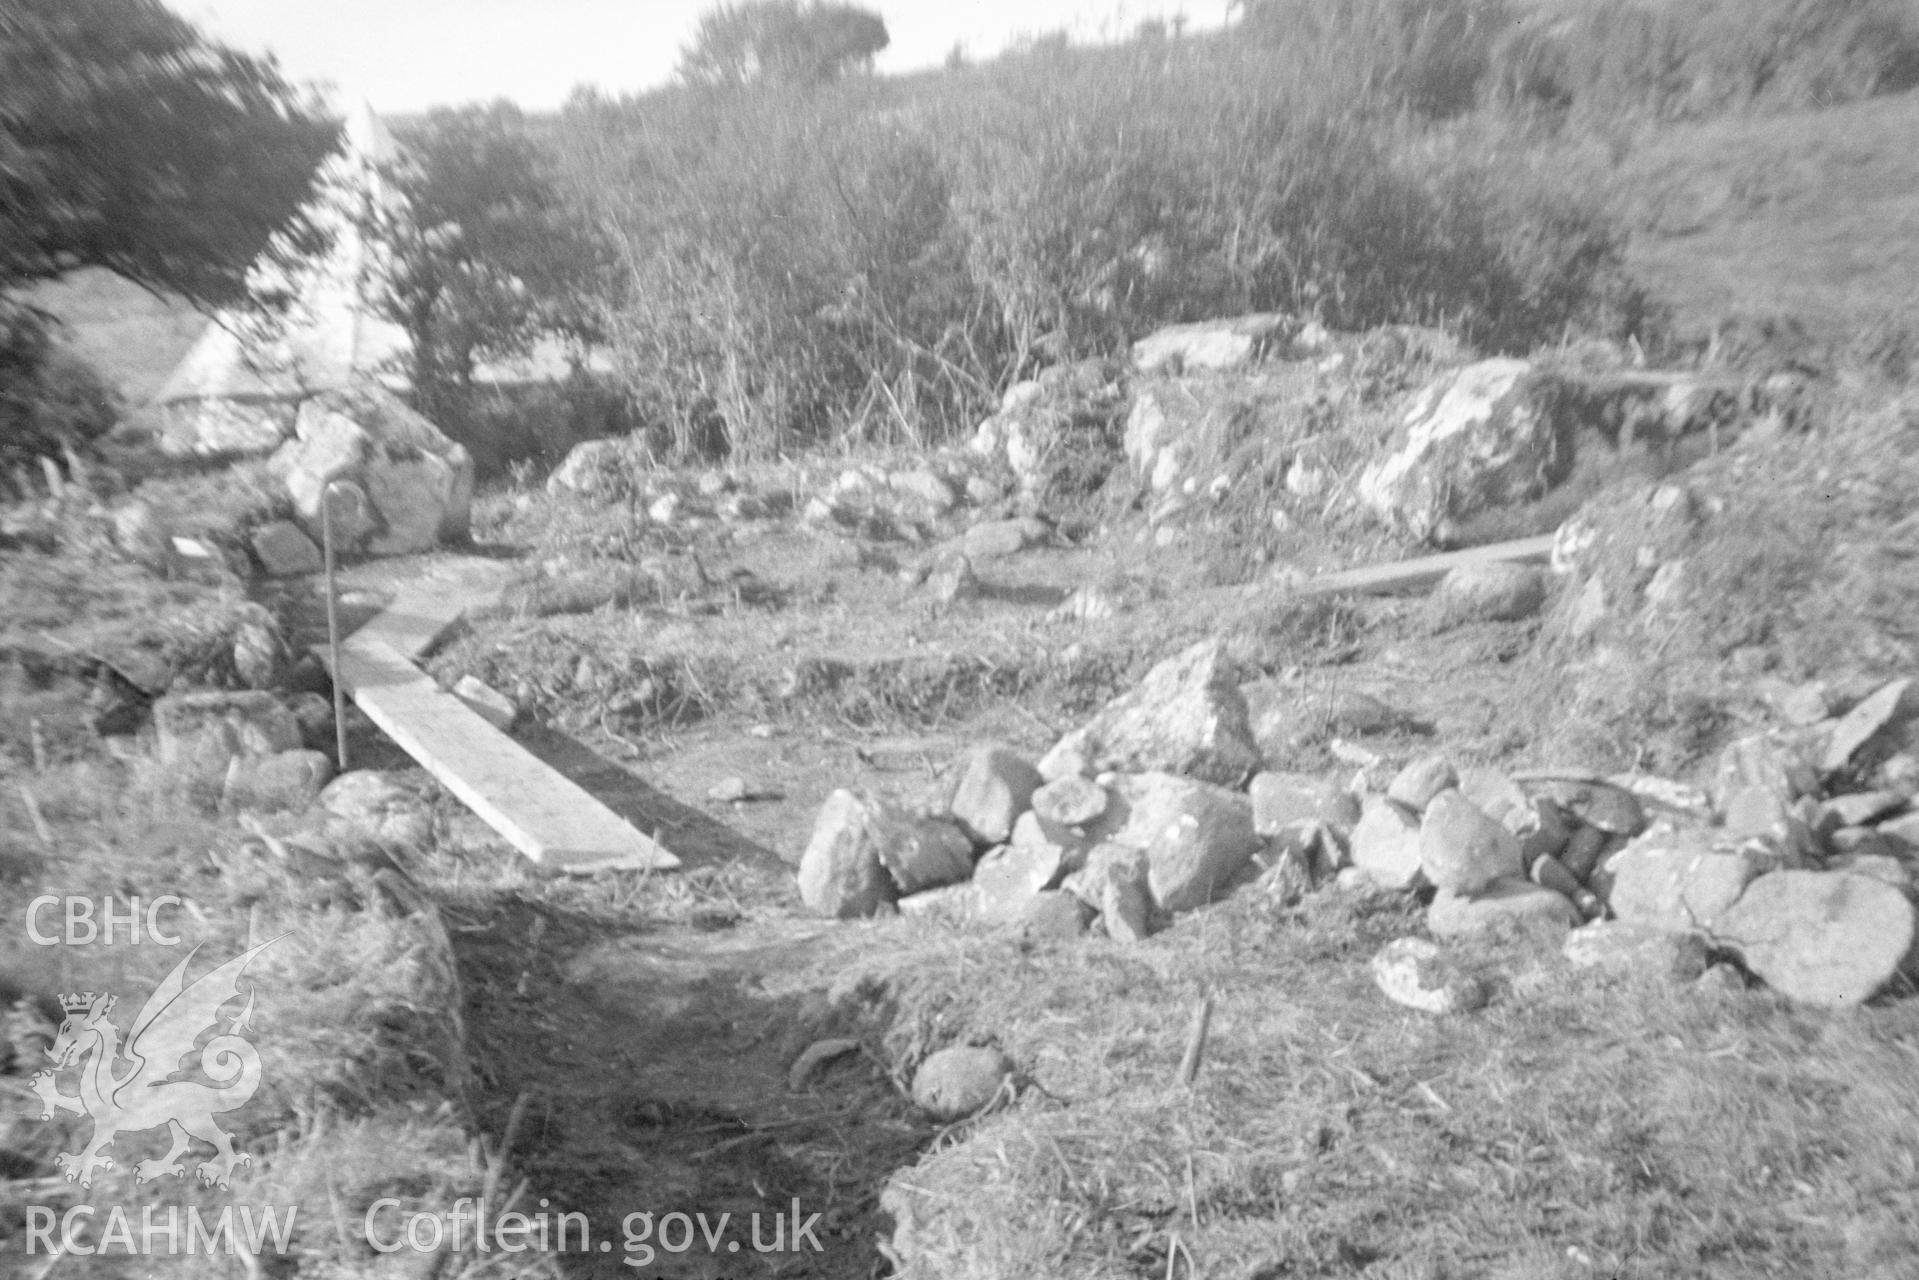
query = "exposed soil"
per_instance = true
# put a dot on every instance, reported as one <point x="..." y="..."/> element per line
<point x="657" y="1070"/>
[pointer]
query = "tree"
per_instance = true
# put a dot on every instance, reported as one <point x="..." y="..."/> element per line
<point x="782" y="42"/>
<point x="484" y="257"/>
<point x="129" y="141"/>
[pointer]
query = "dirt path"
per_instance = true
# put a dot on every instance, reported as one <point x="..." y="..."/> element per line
<point x="657" y="1067"/>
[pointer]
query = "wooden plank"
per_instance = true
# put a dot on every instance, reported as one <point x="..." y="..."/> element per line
<point x="544" y="814"/>
<point x="1412" y="575"/>
<point x="425" y="605"/>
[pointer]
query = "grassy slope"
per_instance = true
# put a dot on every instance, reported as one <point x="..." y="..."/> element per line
<point x="1813" y="214"/>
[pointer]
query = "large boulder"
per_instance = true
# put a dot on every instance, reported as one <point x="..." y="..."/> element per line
<point x="1475" y="438"/>
<point x="402" y="485"/>
<point x="1187" y="716"/>
<point x="1826" y="938"/>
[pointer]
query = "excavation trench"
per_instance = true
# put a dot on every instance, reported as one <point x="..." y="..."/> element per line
<point x="655" y="1067"/>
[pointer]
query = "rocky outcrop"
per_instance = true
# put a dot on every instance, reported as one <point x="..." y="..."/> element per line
<point x="400" y="485"/>
<point x="1187" y="716"/>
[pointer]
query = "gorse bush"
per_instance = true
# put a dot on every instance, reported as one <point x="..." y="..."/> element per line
<point x="882" y="259"/>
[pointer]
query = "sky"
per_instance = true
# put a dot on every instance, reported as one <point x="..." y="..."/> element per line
<point x="405" y="55"/>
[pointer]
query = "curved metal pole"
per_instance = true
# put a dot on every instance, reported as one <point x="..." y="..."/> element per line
<point x="333" y="625"/>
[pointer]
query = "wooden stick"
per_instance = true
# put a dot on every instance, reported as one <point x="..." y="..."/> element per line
<point x="39" y="820"/>
<point x="1196" y="1042"/>
<point x="333" y="626"/>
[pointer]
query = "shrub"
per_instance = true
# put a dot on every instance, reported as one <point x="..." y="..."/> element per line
<point x="48" y="399"/>
<point x="880" y="260"/>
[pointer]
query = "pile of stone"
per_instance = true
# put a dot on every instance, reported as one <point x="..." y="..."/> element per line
<point x="1133" y="817"/>
<point x="1798" y="862"/>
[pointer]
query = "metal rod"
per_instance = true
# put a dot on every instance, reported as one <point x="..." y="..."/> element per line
<point x="333" y="625"/>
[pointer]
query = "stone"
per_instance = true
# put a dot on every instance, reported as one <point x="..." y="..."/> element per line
<point x="1549" y="872"/>
<point x="1489" y="592"/>
<point x="1282" y="799"/>
<point x="1614" y="810"/>
<point x="1721" y="980"/>
<point x="372" y="803"/>
<point x="1054" y="913"/>
<point x="1676" y="880"/>
<point x="1114" y="882"/>
<point x="207" y="729"/>
<point x="1125" y="911"/>
<point x="1764" y="762"/>
<point x="259" y="651"/>
<point x="284" y="550"/>
<point x="958" y="903"/>
<point x="1807" y="704"/>
<point x="1160" y="426"/>
<point x="729" y="790"/>
<point x="1883" y="867"/>
<point x="1461" y="849"/>
<point x="486" y="702"/>
<point x="1583" y="850"/>
<point x="1865" y="841"/>
<point x="1215" y="345"/>
<point x="313" y="712"/>
<point x="410" y="486"/>
<point x="142" y="535"/>
<point x="954" y="1083"/>
<point x="1187" y="716"/>
<point x="1071" y="801"/>
<point x="920" y="853"/>
<point x="1889" y="706"/>
<point x="287" y="781"/>
<point x="1827" y="938"/>
<point x="1903" y="831"/>
<point x="927" y="487"/>
<point x="1385" y="844"/>
<point x="1754" y="811"/>
<point x="951" y="579"/>
<point x="1625" y="947"/>
<point x="1415" y="973"/>
<point x="995" y="785"/>
<point x="1898" y="773"/>
<point x="1675" y="799"/>
<point x="997" y="539"/>
<point x="1415" y="785"/>
<point x="840" y="871"/>
<point x="1198" y="857"/>
<point x="1475" y="438"/>
<point x="1010" y="877"/>
<point x="1492" y="791"/>
<point x="592" y="469"/>
<point x="1542" y="830"/>
<point x="1862" y="807"/>
<point x="1505" y="904"/>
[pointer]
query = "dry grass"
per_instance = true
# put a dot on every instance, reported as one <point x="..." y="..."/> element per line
<point x="1579" y="1126"/>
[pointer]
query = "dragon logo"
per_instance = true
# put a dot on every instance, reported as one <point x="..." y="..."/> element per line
<point x="151" y="1091"/>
